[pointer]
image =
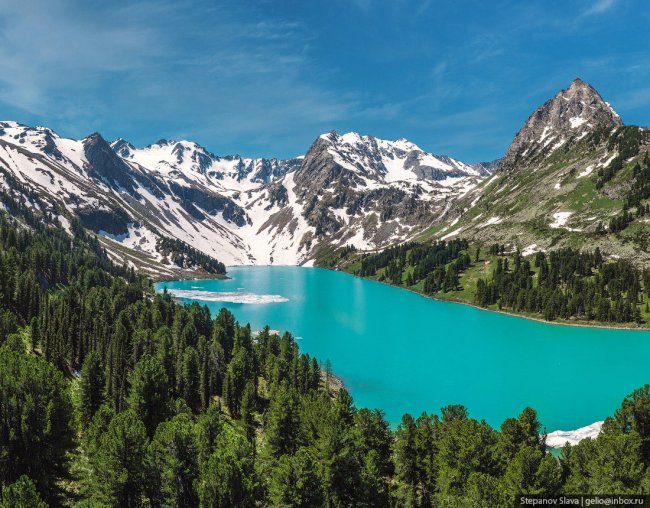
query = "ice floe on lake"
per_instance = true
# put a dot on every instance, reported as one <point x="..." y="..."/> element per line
<point x="227" y="297"/>
<point x="559" y="438"/>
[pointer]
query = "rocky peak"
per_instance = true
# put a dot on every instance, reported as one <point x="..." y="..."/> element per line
<point x="357" y="162"/>
<point x="571" y="114"/>
<point x="105" y="164"/>
<point x="122" y="147"/>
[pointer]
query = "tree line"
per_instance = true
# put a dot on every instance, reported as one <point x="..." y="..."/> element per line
<point x="568" y="284"/>
<point x="438" y="264"/>
<point x="184" y="256"/>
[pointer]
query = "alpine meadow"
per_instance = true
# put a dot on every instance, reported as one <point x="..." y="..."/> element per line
<point x="335" y="319"/>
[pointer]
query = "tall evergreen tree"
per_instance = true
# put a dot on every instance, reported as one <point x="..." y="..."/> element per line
<point x="227" y="479"/>
<point x="91" y="386"/>
<point x="119" y="466"/>
<point x="35" y="421"/>
<point x="21" y="494"/>
<point x="173" y="463"/>
<point x="149" y="393"/>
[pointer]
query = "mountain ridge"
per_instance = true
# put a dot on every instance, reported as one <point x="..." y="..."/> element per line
<point x="570" y="114"/>
<point x="239" y="210"/>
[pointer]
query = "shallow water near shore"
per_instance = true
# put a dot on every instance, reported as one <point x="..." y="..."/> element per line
<point x="401" y="352"/>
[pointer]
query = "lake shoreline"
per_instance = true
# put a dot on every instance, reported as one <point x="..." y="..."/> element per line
<point x="578" y="324"/>
<point x="159" y="278"/>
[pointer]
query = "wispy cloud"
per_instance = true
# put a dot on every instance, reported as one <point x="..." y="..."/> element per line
<point x="217" y="72"/>
<point x="265" y="78"/>
<point x="599" y="6"/>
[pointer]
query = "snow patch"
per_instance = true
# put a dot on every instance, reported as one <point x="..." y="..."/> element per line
<point x="450" y="235"/>
<point x="587" y="171"/>
<point x="608" y="161"/>
<point x="576" y="122"/>
<point x="560" y="219"/>
<point x="558" y="144"/>
<point x="492" y="220"/>
<point x="545" y="133"/>
<point x="531" y="249"/>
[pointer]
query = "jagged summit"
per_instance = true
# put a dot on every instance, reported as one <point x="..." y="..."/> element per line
<point x="374" y="159"/>
<point x="571" y="114"/>
<point x="122" y="147"/>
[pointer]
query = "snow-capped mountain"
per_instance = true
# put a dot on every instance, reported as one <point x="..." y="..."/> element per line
<point x="572" y="153"/>
<point x="370" y="193"/>
<point x="347" y="190"/>
<point x="569" y="116"/>
<point x="175" y="159"/>
<point x="392" y="161"/>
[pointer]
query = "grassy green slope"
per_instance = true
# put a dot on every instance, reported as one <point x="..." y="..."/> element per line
<point x="519" y="207"/>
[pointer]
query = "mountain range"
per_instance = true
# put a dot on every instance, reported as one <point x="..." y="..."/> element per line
<point x="347" y="189"/>
<point x="569" y="172"/>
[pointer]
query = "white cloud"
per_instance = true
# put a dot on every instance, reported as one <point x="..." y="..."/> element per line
<point x="600" y="6"/>
<point x="217" y="73"/>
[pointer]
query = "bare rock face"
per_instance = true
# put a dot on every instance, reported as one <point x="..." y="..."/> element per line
<point x="357" y="185"/>
<point x="356" y="161"/>
<point x="570" y="115"/>
<point x="105" y="163"/>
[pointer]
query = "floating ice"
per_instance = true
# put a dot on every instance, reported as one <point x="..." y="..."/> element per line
<point x="559" y="438"/>
<point x="227" y="297"/>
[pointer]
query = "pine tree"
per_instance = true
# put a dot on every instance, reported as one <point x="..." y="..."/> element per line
<point x="295" y="481"/>
<point x="91" y="386"/>
<point x="149" y="393"/>
<point x="281" y="421"/>
<point x="119" y="464"/>
<point x="247" y="407"/>
<point x="21" y="494"/>
<point x="189" y="376"/>
<point x="406" y="468"/>
<point x="227" y="479"/>
<point x="36" y="421"/>
<point x="172" y="463"/>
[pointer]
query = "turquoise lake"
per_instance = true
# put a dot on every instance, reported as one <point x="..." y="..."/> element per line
<point x="401" y="352"/>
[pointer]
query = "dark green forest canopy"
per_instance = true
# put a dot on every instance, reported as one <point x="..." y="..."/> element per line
<point x="561" y="284"/>
<point x="111" y="395"/>
<point x="182" y="255"/>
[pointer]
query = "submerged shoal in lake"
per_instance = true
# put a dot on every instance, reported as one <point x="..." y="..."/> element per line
<point x="401" y="352"/>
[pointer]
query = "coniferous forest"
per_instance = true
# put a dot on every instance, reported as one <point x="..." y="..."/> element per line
<point x="113" y="396"/>
<point x="566" y="284"/>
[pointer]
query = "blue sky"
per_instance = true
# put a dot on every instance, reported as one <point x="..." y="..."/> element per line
<point x="265" y="78"/>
